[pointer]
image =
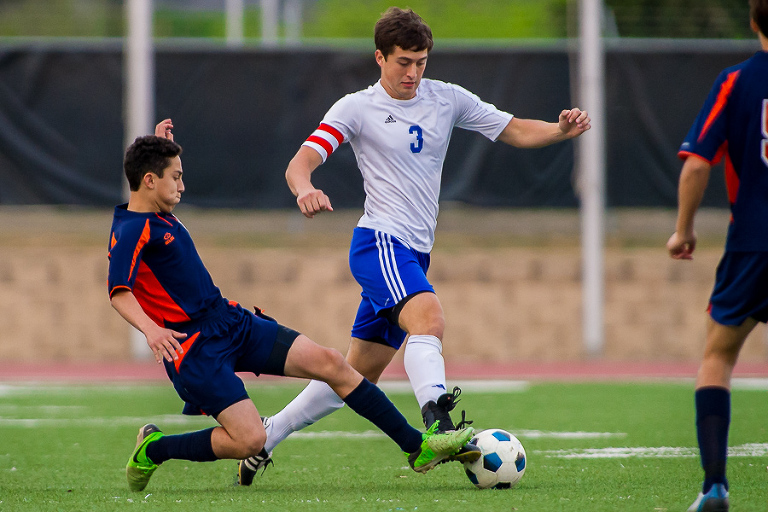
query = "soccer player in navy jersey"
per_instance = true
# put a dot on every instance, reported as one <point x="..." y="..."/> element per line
<point x="399" y="129"/>
<point x="733" y="123"/>
<point x="158" y="283"/>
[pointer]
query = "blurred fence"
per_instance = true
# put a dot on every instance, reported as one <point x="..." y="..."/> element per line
<point x="242" y="114"/>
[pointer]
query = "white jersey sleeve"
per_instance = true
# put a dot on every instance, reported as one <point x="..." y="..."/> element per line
<point x="477" y="115"/>
<point x="339" y="125"/>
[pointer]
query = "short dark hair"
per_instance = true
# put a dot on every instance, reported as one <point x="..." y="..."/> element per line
<point x="148" y="154"/>
<point x="758" y="11"/>
<point x="403" y="28"/>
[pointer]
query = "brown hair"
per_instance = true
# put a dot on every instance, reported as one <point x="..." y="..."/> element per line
<point x="148" y="154"/>
<point x="403" y="28"/>
<point x="758" y="11"/>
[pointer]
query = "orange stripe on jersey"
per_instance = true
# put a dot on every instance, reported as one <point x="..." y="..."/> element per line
<point x="722" y="98"/>
<point x="333" y="131"/>
<point x="117" y="288"/>
<point x="732" y="180"/>
<point x="186" y="346"/>
<point x="163" y="219"/>
<point x="143" y="239"/>
<point x="112" y="243"/>
<point x="682" y="155"/>
<point x="154" y="300"/>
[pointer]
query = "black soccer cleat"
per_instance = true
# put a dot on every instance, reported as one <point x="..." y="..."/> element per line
<point x="247" y="468"/>
<point x="438" y="411"/>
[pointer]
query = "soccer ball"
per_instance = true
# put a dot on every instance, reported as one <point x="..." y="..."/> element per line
<point x="502" y="463"/>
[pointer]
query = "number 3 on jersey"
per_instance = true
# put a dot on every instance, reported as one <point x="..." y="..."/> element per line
<point x="764" y="145"/>
<point x="416" y="146"/>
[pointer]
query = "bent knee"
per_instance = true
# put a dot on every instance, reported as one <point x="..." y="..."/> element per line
<point x="433" y="325"/>
<point x="333" y="359"/>
<point x="250" y="445"/>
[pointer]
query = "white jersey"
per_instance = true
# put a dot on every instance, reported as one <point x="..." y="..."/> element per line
<point x="400" y="147"/>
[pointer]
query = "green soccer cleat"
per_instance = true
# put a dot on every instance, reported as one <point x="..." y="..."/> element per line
<point x="139" y="468"/>
<point x="469" y="453"/>
<point x="436" y="447"/>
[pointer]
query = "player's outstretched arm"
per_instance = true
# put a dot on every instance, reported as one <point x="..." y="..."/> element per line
<point x="310" y="200"/>
<point x="693" y="182"/>
<point x="163" y="129"/>
<point x="534" y="133"/>
<point x="163" y="342"/>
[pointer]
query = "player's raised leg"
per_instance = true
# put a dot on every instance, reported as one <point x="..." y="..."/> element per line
<point x="308" y="360"/>
<point x="315" y="401"/>
<point x="425" y="366"/>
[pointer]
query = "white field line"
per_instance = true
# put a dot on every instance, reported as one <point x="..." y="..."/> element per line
<point x="745" y="450"/>
<point x="47" y="410"/>
<point x="543" y="434"/>
<point x="664" y="452"/>
<point x="750" y="384"/>
<point x="119" y="421"/>
<point x="473" y="386"/>
<point x="180" y="420"/>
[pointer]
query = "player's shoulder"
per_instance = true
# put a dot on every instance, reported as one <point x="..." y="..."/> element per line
<point x="757" y="62"/>
<point x="360" y="94"/>
<point x="430" y="85"/>
<point x="350" y="102"/>
<point x="757" y="65"/>
<point x="137" y="223"/>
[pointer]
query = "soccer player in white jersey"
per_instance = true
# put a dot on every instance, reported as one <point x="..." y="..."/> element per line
<point x="399" y="129"/>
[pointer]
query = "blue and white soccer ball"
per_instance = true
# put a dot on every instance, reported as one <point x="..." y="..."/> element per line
<point x="503" y="462"/>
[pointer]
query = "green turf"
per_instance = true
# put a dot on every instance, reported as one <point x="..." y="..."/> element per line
<point x="65" y="448"/>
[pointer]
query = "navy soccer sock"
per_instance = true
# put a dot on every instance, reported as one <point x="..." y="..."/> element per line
<point x="713" y="417"/>
<point x="371" y="403"/>
<point x="195" y="446"/>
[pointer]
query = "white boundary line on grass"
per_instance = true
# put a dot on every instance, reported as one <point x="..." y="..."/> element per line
<point x="475" y="386"/>
<point x="663" y="452"/>
<point x="180" y="420"/>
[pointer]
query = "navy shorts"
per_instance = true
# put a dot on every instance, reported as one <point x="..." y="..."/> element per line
<point x="390" y="272"/>
<point x="741" y="288"/>
<point x="226" y="340"/>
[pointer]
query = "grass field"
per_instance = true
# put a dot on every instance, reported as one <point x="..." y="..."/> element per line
<point x="590" y="446"/>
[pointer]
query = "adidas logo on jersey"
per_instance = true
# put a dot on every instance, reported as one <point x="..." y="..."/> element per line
<point x="389" y="119"/>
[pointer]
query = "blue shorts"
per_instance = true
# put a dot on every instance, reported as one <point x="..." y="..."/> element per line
<point x="741" y="288"/>
<point x="390" y="273"/>
<point x="226" y="340"/>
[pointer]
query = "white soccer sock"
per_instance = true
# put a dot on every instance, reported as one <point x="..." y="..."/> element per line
<point x="425" y="367"/>
<point x="316" y="401"/>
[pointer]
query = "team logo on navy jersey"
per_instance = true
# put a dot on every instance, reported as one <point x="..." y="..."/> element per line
<point x="389" y="119"/>
<point x="168" y="238"/>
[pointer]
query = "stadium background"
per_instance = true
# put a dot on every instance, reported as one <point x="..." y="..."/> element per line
<point x="507" y="261"/>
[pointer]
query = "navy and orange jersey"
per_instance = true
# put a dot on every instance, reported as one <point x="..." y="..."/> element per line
<point x="153" y="256"/>
<point x="734" y="123"/>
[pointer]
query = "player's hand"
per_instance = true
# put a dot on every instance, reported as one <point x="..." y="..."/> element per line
<point x="164" y="344"/>
<point x="313" y="202"/>
<point x="574" y="122"/>
<point x="681" y="247"/>
<point x="163" y="129"/>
